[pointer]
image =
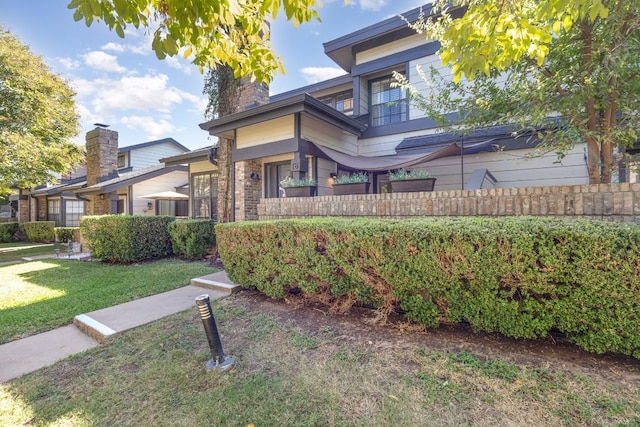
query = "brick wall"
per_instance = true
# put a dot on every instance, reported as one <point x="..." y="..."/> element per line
<point x="23" y="210"/>
<point x="611" y="202"/>
<point x="97" y="205"/>
<point x="248" y="190"/>
<point x="41" y="212"/>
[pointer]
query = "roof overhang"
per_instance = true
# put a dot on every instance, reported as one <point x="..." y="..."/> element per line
<point x="343" y="50"/>
<point x="199" y="155"/>
<point x="225" y="126"/>
<point x="116" y="184"/>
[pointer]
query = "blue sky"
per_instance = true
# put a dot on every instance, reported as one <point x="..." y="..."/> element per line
<point x="121" y="82"/>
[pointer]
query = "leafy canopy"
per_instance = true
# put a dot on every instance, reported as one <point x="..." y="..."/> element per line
<point x="37" y="119"/>
<point x="212" y="32"/>
<point x="564" y="69"/>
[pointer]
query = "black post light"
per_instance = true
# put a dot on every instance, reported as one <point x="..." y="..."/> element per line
<point x="218" y="359"/>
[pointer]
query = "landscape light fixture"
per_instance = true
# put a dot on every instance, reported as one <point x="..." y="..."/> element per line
<point x="218" y="359"/>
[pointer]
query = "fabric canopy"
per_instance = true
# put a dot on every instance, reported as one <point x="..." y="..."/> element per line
<point x="166" y="195"/>
<point x="385" y="163"/>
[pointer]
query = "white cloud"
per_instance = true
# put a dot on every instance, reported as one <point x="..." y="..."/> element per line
<point x="176" y="63"/>
<point x="103" y="62"/>
<point x="69" y="64"/>
<point x="374" y="5"/>
<point x="318" y="74"/>
<point x="151" y="93"/>
<point x="153" y="128"/>
<point x="142" y="48"/>
<point x="114" y="47"/>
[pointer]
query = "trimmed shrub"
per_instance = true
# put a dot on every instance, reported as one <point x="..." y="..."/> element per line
<point x="125" y="239"/>
<point x="65" y="234"/>
<point x="522" y="277"/>
<point x="7" y="231"/>
<point x="192" y="239"/>
<point x="39" y="231"/>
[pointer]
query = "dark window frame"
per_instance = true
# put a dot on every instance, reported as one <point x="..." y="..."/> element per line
<point x="338" y="99"/>
<point x="211" y="200"/>
<point x="393" y="108"/>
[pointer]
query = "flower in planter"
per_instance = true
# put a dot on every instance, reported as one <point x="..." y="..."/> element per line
<point x="401" y="174"/>
<point x="353" y="178"/>
<point x="290" y="182"/>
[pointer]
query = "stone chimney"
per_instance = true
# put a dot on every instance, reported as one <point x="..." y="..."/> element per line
<point x="102" y="154"/>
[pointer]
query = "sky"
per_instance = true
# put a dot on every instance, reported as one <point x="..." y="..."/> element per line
<point x="120" y="82"/>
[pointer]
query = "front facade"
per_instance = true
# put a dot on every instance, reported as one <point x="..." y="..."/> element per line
<point x="128" y="180"/>
<point x="362" y="122"/>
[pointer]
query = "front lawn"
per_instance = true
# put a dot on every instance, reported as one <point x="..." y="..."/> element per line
<point x="41" y="295"/>
<point x="10" y="252"/>
<point x="307" y="374"/>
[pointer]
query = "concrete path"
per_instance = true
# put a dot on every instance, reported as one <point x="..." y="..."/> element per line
<point x="91" y="329"/>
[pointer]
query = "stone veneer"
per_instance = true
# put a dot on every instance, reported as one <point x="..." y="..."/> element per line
<point x="611" y="202"/>
<point x="102" y="162"/>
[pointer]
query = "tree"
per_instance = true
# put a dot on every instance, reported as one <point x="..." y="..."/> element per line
<point x="234" y="33"/>
<point x="566" y="69"/>
<point x="37" y="119"/>
<point x="222" y="89"/>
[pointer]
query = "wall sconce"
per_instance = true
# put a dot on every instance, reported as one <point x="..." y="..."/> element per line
<point x="333" y="175"/>
<point x="102" y="197"/>
<point x="149" y="205"/>
<point x="254" y="176"/>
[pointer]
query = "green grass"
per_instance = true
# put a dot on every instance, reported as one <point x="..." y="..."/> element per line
<point x="288" y="376"/>
<point x="10" y="252"/>
<point x="40" y="295"/>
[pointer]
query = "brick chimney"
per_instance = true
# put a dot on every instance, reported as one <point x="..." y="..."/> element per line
<point x="102" y="154"/>
<point x="252" y="94"/>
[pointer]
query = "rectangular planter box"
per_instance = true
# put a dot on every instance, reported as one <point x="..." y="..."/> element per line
<point x="300" y="191"/>
<point x="412" y="185"/>
<point x="353" y="188"/>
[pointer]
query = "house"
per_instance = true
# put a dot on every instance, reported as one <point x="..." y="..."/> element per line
<point x="361" y="122"/>
<point x="128" y="180"/>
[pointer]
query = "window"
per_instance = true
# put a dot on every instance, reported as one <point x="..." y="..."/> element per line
<point x="74" y="210"/>
<point x="173" y="207"/>
<point x="388" y="104"/>
<point x="205" y="195"/>
<point x="342" y="102"/>
<point x="53" y="211"/>
<point x="122" y="161"/>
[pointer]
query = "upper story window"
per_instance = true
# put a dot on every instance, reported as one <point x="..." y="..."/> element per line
<point x="388" y="104"/>
<point x="342" y="102"/>
<point x="122" y="161"/>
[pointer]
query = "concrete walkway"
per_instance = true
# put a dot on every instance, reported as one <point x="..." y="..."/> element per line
<point x="89" y="330"/>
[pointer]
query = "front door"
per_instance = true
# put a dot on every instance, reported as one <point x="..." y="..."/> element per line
<point x="274" y="173"/>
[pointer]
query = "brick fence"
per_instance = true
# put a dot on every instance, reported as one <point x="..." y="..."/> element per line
<point x="610" y="202"/>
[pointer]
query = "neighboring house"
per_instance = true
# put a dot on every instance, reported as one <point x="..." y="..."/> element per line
<point x="128" y="180"/>
<point x="361" y="122"/>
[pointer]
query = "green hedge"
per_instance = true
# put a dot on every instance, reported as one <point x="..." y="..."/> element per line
<point x="39" y="231"/>
<point x="126" y="238"/>
<point x="8" y="230"/>
<point x="523" y="277"/>
<point x="192" y="239"/>
<point x="65" y="234"/>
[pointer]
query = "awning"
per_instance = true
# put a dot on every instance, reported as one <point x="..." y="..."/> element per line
<point x="386" y="163"/>
<point x="166" y="195"/>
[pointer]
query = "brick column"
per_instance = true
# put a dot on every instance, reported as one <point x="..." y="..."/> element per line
<point x="248" y="189"/>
